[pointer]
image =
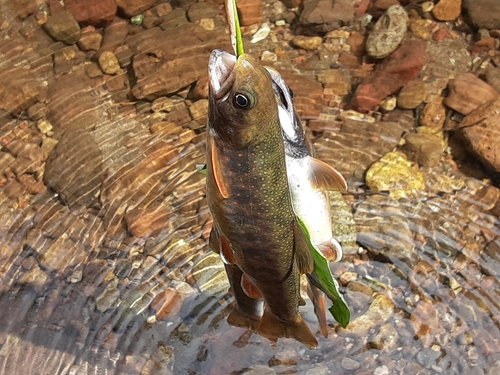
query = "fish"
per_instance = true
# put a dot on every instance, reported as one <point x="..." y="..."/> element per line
<point x="255" y="229"/>
<point x="309" y="180"/>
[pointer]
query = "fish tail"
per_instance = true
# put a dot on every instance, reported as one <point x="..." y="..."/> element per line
<point x="273" y="328"/>
<point x="238" y="319"/>
<point x="318" y="299"/>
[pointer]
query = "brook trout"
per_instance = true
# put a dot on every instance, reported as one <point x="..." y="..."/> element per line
<point x="255" y="229"/>
<point x="308" y="179"/>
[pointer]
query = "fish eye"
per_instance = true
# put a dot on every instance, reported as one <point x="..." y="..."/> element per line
<point x="242" y="101"/>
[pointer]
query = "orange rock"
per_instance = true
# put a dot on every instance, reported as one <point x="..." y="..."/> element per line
<point x="447" y="10"/>
<point x="167" y="303"/>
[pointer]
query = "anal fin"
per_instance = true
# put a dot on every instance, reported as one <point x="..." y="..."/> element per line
<point x="318" y="299"/>
<point x="273" y="328"/>
<point x="325" y="177"/>
<point x="238" y="319"/>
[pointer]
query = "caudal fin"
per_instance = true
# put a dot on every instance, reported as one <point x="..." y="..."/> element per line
<point x="273" y="328"/>
<point x="318" y="299"/>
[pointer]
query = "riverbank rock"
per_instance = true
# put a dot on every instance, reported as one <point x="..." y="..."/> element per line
<point x="63" y="27"/>
<point x="250" y="12"/>
<point x="92" y="12"/>
<point x="467" y="92"/>
<point x="483" y="13"/>
<point x="388" y="32"/>
<point x="481" y="129"/>
<point x="134" y="7"/>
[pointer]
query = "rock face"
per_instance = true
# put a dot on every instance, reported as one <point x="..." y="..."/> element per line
<point x="481" y="129"/>
<point x="93" y="12"/>
<point x="467" y="92"/>
<point x="388" y="32"/>
<point x="483" y="13"/>
<point x="63" y="27"/>
<point x="134" y="7"/>
<point x="402" y="66"/>
<point x="326" y="15"/>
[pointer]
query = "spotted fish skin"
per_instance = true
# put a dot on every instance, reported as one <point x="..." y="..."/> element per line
<point x="255" y="228"/>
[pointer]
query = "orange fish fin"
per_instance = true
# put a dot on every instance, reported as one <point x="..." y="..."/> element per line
<point x="237" y="319"/>
<point x="332" y="250"/>
<point x="303" y="256"/>
<point x="325" y="177"/>
<point x="249" y="288"/>
<point x="217" y="170"/>
<point x="273" y="328"/>
<point x="214" y="241"/>
<point x="318" y="299"/>
<point x="226" y="252"/>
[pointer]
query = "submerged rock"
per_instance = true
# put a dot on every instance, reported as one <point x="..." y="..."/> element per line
<point x="388" y="32"/>
<point x="395" y="174"/>
<point x="326" y="15"/>
<point x="447" y="10"/>
<point x="92" y="12"/>
<point x="483" y="13"/>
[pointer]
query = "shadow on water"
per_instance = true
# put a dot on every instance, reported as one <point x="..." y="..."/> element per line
<point x="104" y="265"/>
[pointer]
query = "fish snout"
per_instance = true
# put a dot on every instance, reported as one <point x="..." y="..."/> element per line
<point x="220" y="72"/>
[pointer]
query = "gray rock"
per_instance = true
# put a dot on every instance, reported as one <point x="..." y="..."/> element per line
<point x="427" y="357"/>
<point x="388" y="32"/>
<point x="349" y="364"/>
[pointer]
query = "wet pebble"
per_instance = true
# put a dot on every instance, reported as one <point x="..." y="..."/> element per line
<point x="388" y="32"/>
<point x="134" y="7"/>
<point x="381" y="370"/>
<point x="428" y="357"/>
<point x="412" y="95"/>
<point x="90" y="41"/>
<point x="378" y="312"/>
<point x="308" y="43"/>
<point x="349" y="364"/>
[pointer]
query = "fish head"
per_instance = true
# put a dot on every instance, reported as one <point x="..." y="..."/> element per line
<point x="242" y="103"/>
<point x="293" y="133"/>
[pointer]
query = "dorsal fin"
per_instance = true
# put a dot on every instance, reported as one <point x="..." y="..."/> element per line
<point x="216" y="169"/>
<point x="325" y="177"/>
<point x="303" y="256"/>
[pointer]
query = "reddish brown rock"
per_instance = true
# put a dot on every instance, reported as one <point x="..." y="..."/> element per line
<point x="167" y="303"/>
<point x="484" y="45"/>
<point x="92" y="12"/>
<point x="308" y="94"/>
<point x="378" y="7"/>
<point x="250" y="12"/>
<point x="326" y="15"/>
<point x="184" y="57"/>
<point x="402" y="66"/>
<point x="147" y="222"/>
<point x="481" y="129"/>
<point x="467" y="92"/>
<point x="114" y="35"/>
<point x="483" y="13"/>
<point x="90" y="41"/>
<point x="134" y="7"/>
<point x="19" y="89"/>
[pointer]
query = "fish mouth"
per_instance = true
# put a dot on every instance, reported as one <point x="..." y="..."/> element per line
<point x="220" y="72"/>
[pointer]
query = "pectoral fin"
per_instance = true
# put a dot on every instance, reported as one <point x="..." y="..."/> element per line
<point x="249" y="288"/>
<point x="303" y="256"/>
<point x="325" y="177"/>
<point x="217" y="170"/>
